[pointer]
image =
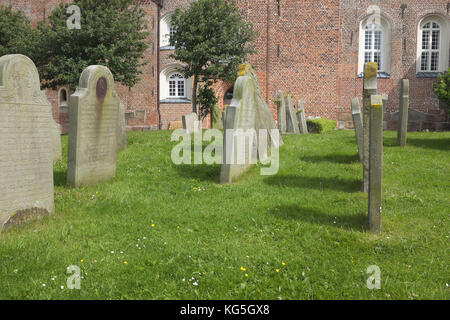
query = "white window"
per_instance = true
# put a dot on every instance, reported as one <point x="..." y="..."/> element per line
<point x="432" y="46"/>
<point x="166" y="30"/>
<point x="375" y="44"/>
<point x="177" y="85"/>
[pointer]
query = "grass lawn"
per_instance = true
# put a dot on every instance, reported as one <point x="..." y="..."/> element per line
<point x="161" y="231"/>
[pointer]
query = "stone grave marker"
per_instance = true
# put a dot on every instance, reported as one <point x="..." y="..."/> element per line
<point x="26" y="143"/>
<point x="121" y="129"/>
<point x="281" y="112"/>
<point x="94" y="108"/>
<point x="375" y="163"/>
<point x="189" y="122"/>
<point x="301" y="117"/>
<point x="291" y="118"/>
<point x="56" y="134"/>
<point x="403" y="113"/>
<point x="357" y="124"/>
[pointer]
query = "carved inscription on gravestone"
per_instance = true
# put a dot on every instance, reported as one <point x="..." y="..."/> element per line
<point x="94" y="111"/>
<point x="26" y="153"/>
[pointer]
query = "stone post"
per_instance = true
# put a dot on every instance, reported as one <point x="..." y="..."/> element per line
<point x="301" y="117"/>
<point x="291" y="118"/>
<point x="281" y="110"/>
<point x="369" y="88"/>
<point x="375" y="163"/>
<point x="357" y="123"/>
<point x="403" y="113"/>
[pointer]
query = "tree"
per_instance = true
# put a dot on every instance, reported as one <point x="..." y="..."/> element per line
<point x="112" y="34"/>
<point x="211" y="39"/>
<point x="16" y="33"/>
<point x="442" y="87"/>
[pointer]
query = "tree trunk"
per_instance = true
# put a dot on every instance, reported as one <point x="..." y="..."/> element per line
<point x="194" y="95"/>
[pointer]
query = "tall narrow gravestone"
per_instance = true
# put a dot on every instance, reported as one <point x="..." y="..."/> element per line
<point x="281" y="112"/>
<point x="369" y="89"/>
<point x="94" y="108"/>
<point x="26" y="139"/>
<point x="245" y="117"/>
<point x="375" y="163"/>
<point x="57" y="149"/>
<point x="121" y="130"/>
<point x="291" y="118"/>
<point x="403" y="113"/>
<point x="301" y="117"/>
<point x="357" y="124"/>
<point x="191" y="123"/>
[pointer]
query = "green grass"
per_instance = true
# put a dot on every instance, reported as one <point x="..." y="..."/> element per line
<point x="308" y="221"/>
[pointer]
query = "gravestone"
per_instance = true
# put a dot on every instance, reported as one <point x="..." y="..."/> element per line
<point x="301" y="117"/>
<point x="281" y="112"/>
<point x="291" y="118"/>
<point x="121" y="129"/>
<point x="375" y="163"/>
<point x="26" y="139"/>
<point x="247" y="112"/>
<point x="357" y="124"/>
<point x="191" y="123"/>
<point x="56" y="133"/>
<point x="216" y="118"/>
<point x="369" y="89"/>
<point x="403" y="113"/>
<point x="94" y="108"/>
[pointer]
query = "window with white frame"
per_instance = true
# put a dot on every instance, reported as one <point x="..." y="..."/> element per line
<point x="430" y="47"/>
<point x="375" y="45"/>
<point x="171" y="32"/>
<point x="177" y="86"/>
<point x="373" y="35"/>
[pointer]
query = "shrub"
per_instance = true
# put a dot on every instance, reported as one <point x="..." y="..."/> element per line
<point x="442" y="87"/>
<point x="320" y="125"/>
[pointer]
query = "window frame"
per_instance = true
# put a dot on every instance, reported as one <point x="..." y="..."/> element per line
<point x="177" y="79"/>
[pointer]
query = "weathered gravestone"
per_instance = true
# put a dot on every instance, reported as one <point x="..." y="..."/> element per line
<point x="216" y="118"/>
<point x="403" y="113"/>
<point x="375" y="163"/>
<point x="247" y="114"/>
<point x="26" y="139"/>
<point x="301" y="118"/>
<point x="357" y="124"/>
<point x="291" y="118"/>
<point x="191" y="123"/>
<point x="369" y="89"/>
<point x="94" y="109"/>
<point x="56" y="134"/>
<point x="281" y="112"/>
<point x="121" y="129"/>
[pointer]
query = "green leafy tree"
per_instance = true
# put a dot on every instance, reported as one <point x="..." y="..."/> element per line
<point x="113" y="33"/>
<point x="442" y="87"/>
<point x="207" y="99"/>
<point x="16" y="33"/>
<point x="211" y="39"/>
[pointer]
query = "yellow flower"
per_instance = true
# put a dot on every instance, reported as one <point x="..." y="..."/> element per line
<point x="153" y="225"/>
<point x="125" y="262"/>
<point x="283" y="264"/>
<point x="277" y="270"/>
<point x="81" y="260"/>
<point x="246" y="275"/>
<point x="243" y="269"/>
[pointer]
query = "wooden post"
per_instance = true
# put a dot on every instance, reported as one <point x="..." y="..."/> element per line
<point x="375" y="163"/>
<point x="403" y="113"/>
<point x="370" y="88"/>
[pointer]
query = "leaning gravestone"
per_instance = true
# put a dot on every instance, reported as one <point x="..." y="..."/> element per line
<point x="121" y="130"/>
<point x="190" y="122"/>
<point x="301" y="118"/>
<point x="216" y="118"/>
<point x="291" y="119"/>
<point x="369" y="89"/>
<point x="403" y="113"/>
<point x="281" y="112"/>
<point x="247" y="112"/>
<point x="357" y="124"/>
<point x="94" y="109"/>
<point x="56" y="133"/>
<point x="26" y="154"/>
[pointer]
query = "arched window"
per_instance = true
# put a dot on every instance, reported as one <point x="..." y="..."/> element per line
<point x="177" y="86"/>
<point x="63" y="97"/>
<point x="373" y="35"/>
<point x="375" y="45"/>
<point x="433" y="44"/>
<point x="167" y="30"/>
<point x="430" y="46"/>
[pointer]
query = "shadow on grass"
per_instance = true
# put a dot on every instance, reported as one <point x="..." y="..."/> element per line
<point x="304" y="182"/>
<point x="336" y="158"/>
<point x="438" y="144"/>
<point x="60" y="178"/>
<point x="199" y="171"/>
<point x="357" y="222"/>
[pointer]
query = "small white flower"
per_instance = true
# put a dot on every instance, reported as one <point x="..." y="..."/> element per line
<point x="121" y="251"/>
<point x="43" y="284"/>
<point x="62" y="287"/>
<point x="112" y="252"/>
<point x="183" y="279"/>
<point x="195" y="284"/>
